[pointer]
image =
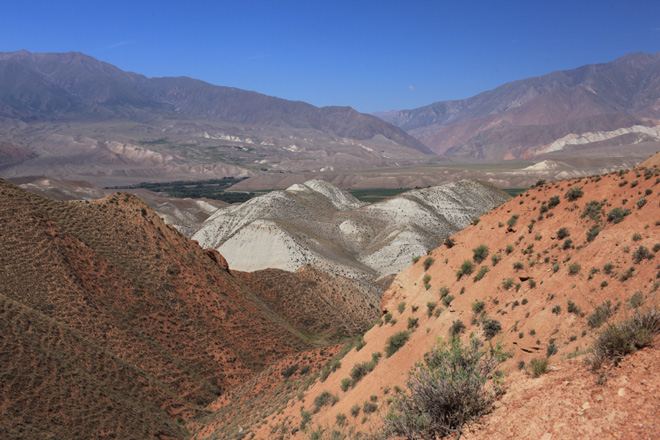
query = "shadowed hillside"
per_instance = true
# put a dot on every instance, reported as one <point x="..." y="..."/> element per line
<point x="115" y="324"/>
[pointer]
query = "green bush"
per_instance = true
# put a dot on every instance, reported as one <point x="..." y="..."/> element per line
<point x="478" y="306"/>
<point x="447" y="300"/>
<point x="574" y="268"/>
<point x="495" y="258"/>
<point x="509" y="248"/>
<point x="346" y="383"/>
<point x="562" y="233"/>
<point x="518" y="265"/>
<point x="446" y="392"/>
<point x="553" y="201"/>
<point x="395" y="342"/>
<point x="428" y="262"/>
<point x="480" y="253"/>
<point x="574" y="193"/>
<point x="483" y="270"/>
<point x="401" y="307"/>
<point x="387" y="317"/>
<point x="617" y="215"/>
<point x="593" y="233"/>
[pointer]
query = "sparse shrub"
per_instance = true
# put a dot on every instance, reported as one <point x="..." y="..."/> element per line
<point x="483" y="270"/>
<point x="476" y="221"/>
<point x="387" y="317"/>
<point x="600" y="315"/>
<point x="467" y="267"/>
<point x="574" y="193"/>
<point x="556" y="309"/>
<point x="478" y="306"/>
<point x="637" y="236"/>
<point x="428" y="262"/>
<point x="603" y="284"/>
<point x="538" y="366"/>
<point x="369" y="407"/>
<point x="627" y="274"/>
<point x="362" y="369"/>
<point x="444" y="291"/>
<point x="340" y="419"/>
<point x="415" y="259"/>
<point x="531" y="283"/>
<point x="551" y="348"/>
<point x="507" y="283"/>
<point x="401" y="307"/>
<point x="360" y="343"/>
<point x="355" y="410"/>
<point x="620" y="339"/>
<point x="395" y="342"/>
<point x="607" y="268"/>
<point x="509" y="248"/>
<point x="562" y="233"/>
<point x="641" y="253"/>
<point x="413" y="323"/>
<point x="447" y="300"/>
<point x="495" y="258"/>
<point x="513" y="220"/>
<point x="636" y="300"/>
<point x="573" y="308"/>
<point x="426" y="278"/>
<point x="491" y="327"/>
<point x="593" y="233"/>
<point x="480" y="253"/>
<point x="568" y="243"/>
<point x="553" y="201"/>
<point x="325" y="398"/>
<point x="592" y="210"/>
<point x="617" y="215"/>
<point x="641" y="202"/>
<point x="290" y="370"/>
<point x="574" y="268"/>
<point x="457" y="328"/>
<point x="518" y="265"/>
<point x="446" y="392"/>
<point x="430" y="306"/>
<point x="449" y="242"/>
<point x="346" y="383"/>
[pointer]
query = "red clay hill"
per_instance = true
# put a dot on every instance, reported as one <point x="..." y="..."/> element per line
<point x="543" y="275"/>
<point x="115" y="325"/>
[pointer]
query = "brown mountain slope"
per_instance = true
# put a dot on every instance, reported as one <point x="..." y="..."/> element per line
<point x="105" y="307"/>
<point x="523" y="118"/>
<point x="527" y="290"/>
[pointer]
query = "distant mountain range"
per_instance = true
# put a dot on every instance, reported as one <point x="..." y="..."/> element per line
<point x="70" y="116"/>
<point x="67" y="111"/>
<point x="524" y="118"/>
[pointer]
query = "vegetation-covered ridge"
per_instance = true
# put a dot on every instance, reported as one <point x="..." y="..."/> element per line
<point x="197" y="189"/>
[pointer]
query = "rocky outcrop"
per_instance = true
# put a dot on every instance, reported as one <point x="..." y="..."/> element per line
<point x="317" y="223"/>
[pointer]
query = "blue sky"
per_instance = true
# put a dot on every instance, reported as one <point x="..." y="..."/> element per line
<point x="370" y="55"/>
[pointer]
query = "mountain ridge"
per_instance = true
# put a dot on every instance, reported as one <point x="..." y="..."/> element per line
<point x="625" y="92"/>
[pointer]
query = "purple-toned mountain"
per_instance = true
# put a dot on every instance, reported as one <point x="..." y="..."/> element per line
<point x="527" y="117"/>
<point x="95" y="104"/>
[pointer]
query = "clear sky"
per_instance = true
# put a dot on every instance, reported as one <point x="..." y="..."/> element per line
<point x="370" y="55"/>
